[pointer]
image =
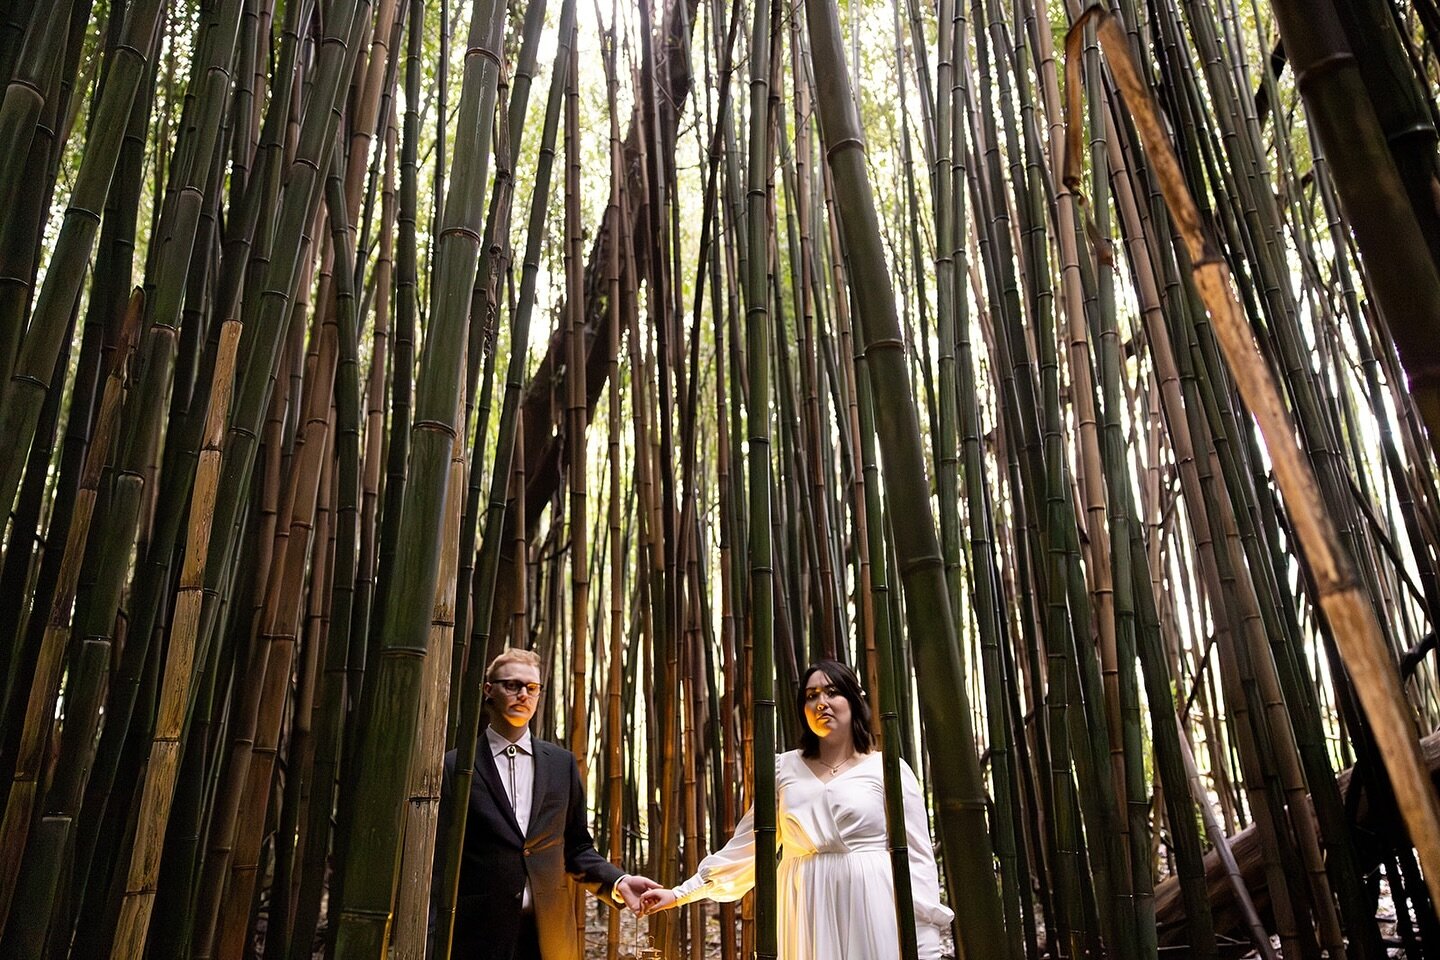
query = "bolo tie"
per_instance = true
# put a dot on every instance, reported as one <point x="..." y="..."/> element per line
<point x="514" y="797"/>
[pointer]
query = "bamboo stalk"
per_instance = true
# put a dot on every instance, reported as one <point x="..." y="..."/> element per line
<point x="20" y="405"/>
<point x="163" y="765"/>
<point x="1351" y="617"/>
<point x="422" y="808"/>
<point x="964" y="833"/>
<point x="386" y="732"/>
<point x="31" y="757"/>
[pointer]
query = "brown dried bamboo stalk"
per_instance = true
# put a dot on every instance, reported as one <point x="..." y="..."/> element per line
<point x="1352" y="619"/>
<point x="615" y="739"/>
<point x="232" y="857"/>
<point x="164" y="758"/>
<point x="576" y="425"/>
<point x="367" y="105"/>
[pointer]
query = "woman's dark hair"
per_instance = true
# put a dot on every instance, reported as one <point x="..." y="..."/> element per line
<point x="848" y="684"/>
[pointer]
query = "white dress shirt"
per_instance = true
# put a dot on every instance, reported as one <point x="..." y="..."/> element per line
<point x="515" y="762"/>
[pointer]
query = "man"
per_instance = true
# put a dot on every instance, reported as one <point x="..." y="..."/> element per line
<point x="525" y="832"/>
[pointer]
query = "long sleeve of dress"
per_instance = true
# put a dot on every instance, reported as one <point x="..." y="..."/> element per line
<point x="728" y="873"/>
<point x="931" y="916"/>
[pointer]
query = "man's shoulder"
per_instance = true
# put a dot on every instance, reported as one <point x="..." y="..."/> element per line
<point x="551" y="751"/>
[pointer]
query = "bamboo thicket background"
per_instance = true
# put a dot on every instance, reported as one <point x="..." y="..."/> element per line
<point x="344" y="343"/>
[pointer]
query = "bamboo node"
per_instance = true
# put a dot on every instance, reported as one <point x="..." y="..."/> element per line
<point x="847" y="143"/>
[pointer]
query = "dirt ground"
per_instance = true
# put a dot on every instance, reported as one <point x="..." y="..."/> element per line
<point x="632" y="930"/>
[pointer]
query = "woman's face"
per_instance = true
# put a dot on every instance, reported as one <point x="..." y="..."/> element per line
<point x="827" y="712"/>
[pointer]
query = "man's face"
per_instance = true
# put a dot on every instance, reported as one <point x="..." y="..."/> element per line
<point x="514" y="693"/>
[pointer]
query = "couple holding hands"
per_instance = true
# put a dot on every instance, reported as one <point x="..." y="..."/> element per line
<point x="526" y="838"/>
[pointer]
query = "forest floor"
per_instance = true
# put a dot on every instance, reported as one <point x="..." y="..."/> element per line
<point x="633" y="930"/>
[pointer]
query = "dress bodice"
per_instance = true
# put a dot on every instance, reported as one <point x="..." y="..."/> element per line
<point x="839" y="815"/>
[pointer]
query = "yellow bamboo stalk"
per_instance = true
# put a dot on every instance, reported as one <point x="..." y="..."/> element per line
<point x="1342" y="597"/>
<point x="45" y="686"/>
<point x="164" y="762"/>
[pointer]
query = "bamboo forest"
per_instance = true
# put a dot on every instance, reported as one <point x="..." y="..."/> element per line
<point x="1068" y="369"/>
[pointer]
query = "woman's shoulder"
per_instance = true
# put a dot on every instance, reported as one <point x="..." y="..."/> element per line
<point x="789" y="763"/>
<point x="908" y="775"/>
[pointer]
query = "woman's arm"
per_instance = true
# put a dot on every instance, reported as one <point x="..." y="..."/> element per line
<point x="728" y="873"/>
<point x="724" y="876"/>
<point x="931" y="916"/>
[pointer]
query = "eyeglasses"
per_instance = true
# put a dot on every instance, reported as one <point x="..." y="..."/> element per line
<point x="513" y="687"/>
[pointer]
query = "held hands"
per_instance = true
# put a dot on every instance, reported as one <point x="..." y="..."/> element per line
<point x="660" y="898"/>
<point x="632" y="889"/>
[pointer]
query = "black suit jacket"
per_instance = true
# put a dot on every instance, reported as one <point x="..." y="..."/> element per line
<point x="496" y="858"/>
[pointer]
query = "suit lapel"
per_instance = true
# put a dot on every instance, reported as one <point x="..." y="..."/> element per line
<point x="485" y="766"/>
<point x="542" y="764"/>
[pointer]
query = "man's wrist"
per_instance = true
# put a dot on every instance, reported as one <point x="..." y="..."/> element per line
<point x="615" y="894"/>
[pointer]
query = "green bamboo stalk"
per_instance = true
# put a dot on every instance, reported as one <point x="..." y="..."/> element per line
<point x="20" y="406"/>
<point x="888" y="674"/>
<point x="964" y="833"/>
<point x="20" y="111"/>
<point x="487" y="565"/>
<point x="949" y="209"/>
<point x="386" y="731"/>
<point x="495" y="257"/>
<point x="760" y="550"/>
<point x="378" y="548"/>
<point x="31" y="760"/>
<point x="426" y="764"/>
<point x="342" y="598"/>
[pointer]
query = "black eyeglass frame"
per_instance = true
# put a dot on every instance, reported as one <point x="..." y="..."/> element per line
<point x="513" y="686"/>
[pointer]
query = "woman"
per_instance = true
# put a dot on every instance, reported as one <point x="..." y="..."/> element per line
<point x="836" y="892"/>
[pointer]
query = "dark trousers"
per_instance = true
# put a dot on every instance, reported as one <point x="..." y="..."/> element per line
<point x="527" y="945"/>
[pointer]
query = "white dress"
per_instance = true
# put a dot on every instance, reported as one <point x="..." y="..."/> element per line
<point x="836" y="892"/>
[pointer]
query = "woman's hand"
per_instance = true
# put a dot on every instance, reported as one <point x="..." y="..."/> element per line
<point x="653" y="901"/>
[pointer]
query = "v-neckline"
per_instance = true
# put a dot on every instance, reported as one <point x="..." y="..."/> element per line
<point x="805" y="762"/>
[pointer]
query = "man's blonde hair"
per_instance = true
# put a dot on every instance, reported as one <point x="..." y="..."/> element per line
<point x="514" y="655"/>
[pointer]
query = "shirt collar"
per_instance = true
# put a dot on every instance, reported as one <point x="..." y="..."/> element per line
<point x="498" y="744"/>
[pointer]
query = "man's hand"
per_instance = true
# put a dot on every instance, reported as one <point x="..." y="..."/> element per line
<point x="632" y="888"/>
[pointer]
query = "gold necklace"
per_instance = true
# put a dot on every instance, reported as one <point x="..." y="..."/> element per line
<point x="835" y="768"/>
